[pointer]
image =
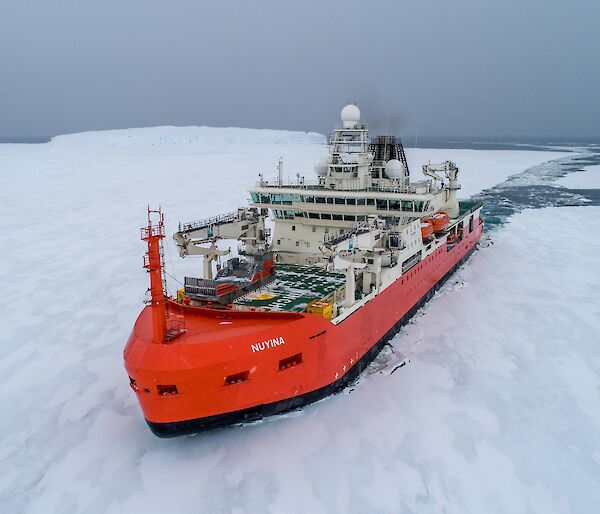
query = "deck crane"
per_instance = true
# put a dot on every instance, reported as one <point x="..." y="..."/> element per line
<point x="450" y="170"/>
<point x="246" y="225"/>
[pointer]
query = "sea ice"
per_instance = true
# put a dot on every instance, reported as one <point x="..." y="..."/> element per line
<point x="589" y="178"/>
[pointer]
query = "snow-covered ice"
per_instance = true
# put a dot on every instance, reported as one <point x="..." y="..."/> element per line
<point x="496" y="410"/>
<point x="589" y="178"/>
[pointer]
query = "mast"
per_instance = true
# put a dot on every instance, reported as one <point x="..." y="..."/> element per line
<point x="153" y="234"/>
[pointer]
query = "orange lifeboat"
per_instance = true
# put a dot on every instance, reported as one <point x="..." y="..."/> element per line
<point x="440" y="221"/>
<point x="426" y="229"/>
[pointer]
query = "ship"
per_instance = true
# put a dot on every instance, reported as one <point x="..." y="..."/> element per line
<point x="325" y="272"/>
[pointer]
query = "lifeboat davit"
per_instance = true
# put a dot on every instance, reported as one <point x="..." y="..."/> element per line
<point x="426" y="229"/>
<point x="439" y="221"/>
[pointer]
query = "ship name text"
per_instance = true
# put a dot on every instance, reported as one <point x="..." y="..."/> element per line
<point x="265" y="345"/>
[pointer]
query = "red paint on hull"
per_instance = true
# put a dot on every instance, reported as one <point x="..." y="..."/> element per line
<point x="219" y="344"/>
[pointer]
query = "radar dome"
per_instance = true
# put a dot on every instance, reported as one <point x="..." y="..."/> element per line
<point x="350" y="116"/>
<point x="321" y="166"/>
<point x="394" y="169"/>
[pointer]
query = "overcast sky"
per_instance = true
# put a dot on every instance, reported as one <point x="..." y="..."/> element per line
<point x="502" y="68"/>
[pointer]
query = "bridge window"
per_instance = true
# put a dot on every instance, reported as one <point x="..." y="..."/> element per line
<point x="349" y="218"/>
<point x="320" y="199"/>
<point x="370" y="201"/>
<point x="407" y="206"/>
<point x="313" y="215"/>
<point x="265" y="199"/>
<point x="350" y="201"/>
<point x="382" y="205"/>
<point x="360" y="201"/>
<point x="340" y="201"/>
<point x="325" y="216"/>
<point x="254" y="197"/>
<point x="309" y="199"/>
<point x="337" y="217"/>
<point x="329" y="199"/>
<point x="394" y="205"/>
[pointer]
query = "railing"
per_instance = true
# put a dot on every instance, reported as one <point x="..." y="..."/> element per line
<point x="333" y="239"/>
<point x="154" y="230"/>
<point x="200" y="286"/>
<point x="208" y="222"/>
<point x="411" y="189"/>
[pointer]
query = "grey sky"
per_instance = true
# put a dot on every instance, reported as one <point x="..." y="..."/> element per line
<point x="502" y="68"/>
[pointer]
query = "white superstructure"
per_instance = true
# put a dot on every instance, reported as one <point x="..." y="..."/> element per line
<point x="362" y="177"/>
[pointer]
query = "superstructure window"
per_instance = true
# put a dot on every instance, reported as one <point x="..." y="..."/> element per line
<point x="407" y="206"/>
<point x="337" y="217"/>
<point x="329" y="199"/>
<point x="265" y="198"/>
<point x="350" y="201"/>
<point x="313" y="215"/>
<point x="309" y="199"/>
<point x="370" y="201"/>
<point x="394" y="205"/>
<point x="325" y="216"/>
<point x="339" y="201"/>
<point x="382" y="205"/>
<point x="360" y="201"/>
<point x="320" y="199"/>
<point x="255" y="197"/>
<point x="349" y="218"/>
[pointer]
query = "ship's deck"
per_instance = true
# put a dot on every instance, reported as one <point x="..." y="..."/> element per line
<point x="294" y="286"/>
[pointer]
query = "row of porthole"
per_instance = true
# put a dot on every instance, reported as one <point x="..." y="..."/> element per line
<point x="284" y="364"/>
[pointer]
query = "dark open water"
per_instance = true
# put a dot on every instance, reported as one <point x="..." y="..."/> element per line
<point x="536" y="187"/>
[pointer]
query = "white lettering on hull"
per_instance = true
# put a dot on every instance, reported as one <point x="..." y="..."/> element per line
<point x="265" y="345"/>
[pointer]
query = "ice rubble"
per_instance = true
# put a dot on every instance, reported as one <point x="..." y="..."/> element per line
<point x="496" y="410"/>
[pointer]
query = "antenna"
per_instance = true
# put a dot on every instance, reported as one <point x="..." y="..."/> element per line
<point x="280" y="171"/>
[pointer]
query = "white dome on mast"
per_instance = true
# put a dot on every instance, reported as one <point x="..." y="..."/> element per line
<point x="350" y="116"/>
<point x="394" y="168"/>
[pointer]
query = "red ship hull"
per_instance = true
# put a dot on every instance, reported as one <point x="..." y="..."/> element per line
<point x="235" y="366"/>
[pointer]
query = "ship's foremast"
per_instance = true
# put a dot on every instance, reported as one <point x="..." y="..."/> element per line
<point x="165" y="325"/>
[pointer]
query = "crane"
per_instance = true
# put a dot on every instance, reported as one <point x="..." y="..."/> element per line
<point x="246" y="225"/>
